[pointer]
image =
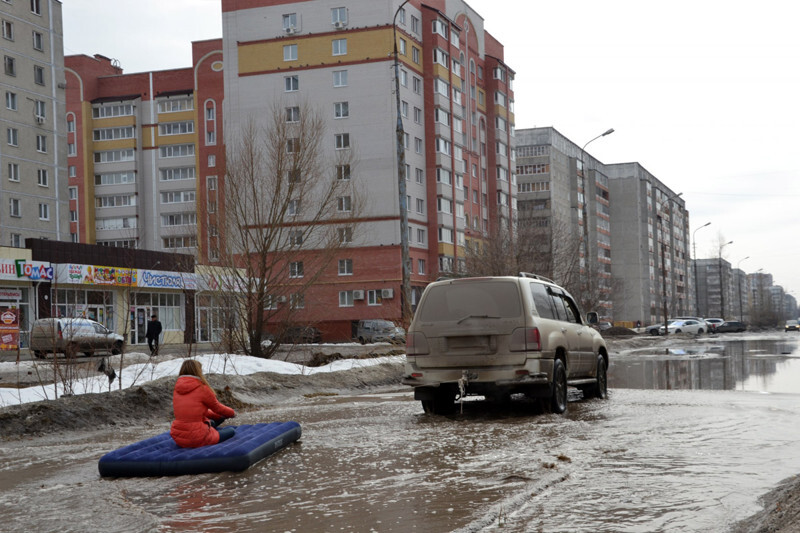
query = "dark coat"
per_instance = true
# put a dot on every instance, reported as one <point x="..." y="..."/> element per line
<point x="153" y="329"/>
<point x="195" y="404"/>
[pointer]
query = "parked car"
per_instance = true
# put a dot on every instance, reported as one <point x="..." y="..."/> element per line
<point x="791" y="325"/>
<point x="684" y="326"/>
<point x="731" y="326"/>
<point x="655" y="329"/>
<point x="380" y="331"/>
<point x="712" y="323"/>
<point x="602" y="326"/>
<point x="71" y="336"/>
<point x="496" y="336"/>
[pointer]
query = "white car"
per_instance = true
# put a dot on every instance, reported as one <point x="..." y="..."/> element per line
<point x="686" y="326"/>
<point x="713" y="323"/>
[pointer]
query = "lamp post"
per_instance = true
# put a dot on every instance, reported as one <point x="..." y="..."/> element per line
<point x="664" y="261"/>
<point x="586" y="283"/>
<point x="401" y="182"/>
<point x="739" y="286"/>
<point x="694" y="253"/>
<point x="721" y="284"/>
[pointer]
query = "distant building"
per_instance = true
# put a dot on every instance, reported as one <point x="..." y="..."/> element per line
<point x="33" y="153"/>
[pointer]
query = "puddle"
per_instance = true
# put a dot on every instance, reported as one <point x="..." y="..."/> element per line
<point x="748" y="365"/>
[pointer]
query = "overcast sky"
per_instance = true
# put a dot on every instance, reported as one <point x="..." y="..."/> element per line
<point x="705" y="95"/>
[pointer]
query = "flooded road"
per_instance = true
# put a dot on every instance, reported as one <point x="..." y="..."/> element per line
<point x="688" y="452"/>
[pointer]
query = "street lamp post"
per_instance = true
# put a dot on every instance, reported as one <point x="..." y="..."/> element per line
<point x="739" y="286"/>
<point x="694" y="253"/>
<point x="401" y="182"/>
<point x="586" y="283"/>
<point x="721" y="284"/>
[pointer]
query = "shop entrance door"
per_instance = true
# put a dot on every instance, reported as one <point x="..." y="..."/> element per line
<point x="139" y="324"/>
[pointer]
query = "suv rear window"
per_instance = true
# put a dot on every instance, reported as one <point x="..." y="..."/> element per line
<point x="454" y="301"/>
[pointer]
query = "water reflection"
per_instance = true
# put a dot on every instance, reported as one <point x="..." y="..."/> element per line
<point x="751" y="365"/>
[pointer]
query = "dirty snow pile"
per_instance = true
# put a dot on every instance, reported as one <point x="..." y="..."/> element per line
<point x="138" y="374"/>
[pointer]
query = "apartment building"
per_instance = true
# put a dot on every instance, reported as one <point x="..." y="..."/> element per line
<point x="143" y="151"/>
<point x="33" y="186"/>
<point x="456" y="103"/>
<point x="651" y="261"/>
<point x="564" y="215"/>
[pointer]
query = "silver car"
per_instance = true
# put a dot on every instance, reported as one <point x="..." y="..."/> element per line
<point x="72" y="336"/>
<point x="496" y="336"/>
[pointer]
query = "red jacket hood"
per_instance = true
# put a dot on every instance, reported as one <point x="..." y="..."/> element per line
<point x="186" y="384"/>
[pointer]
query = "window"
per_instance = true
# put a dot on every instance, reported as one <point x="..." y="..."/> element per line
<point x="168" y="128"/>
<point x="8" y="30"/>
<point x="114" y="156"/>
<point x="13" y="207"/>
<point x="414" y="24"/>
<point x="344" y="203"/>
<point x="293" y="208"/>
<point x="345" y="298"/>
<point x="73" y="193"/>
<point x="421" y="266"/>
<point x="420" y="176"/>
<point x="339" y="47"/>
<point x="10" y="65"/>
<point x="121" y="200"/>
<point x="36" y="8"/>
<point x="211" y="137"/>
<point x="170" y="105"/>
<point x="402" y="47"/>
<point x="72" y="171"/>
<point x="421" y="236"/>
<point x="340" y="78"/>
<point x="290" y="21"/>
<point x="290" y="52"/>
<point x="16" y="240"/>
<point x="296" y="269"/>
<point x="12" y="136"/>
<point x="295" y="237"/>
<point x="41" y="177"/>
<point x="116" y="110"/>
<point x="374" y="297"/>
<point x="417" y="115"/>
<point x="180" y="242"/>
<point x="404" y="108"/>
<point x="11" y="101"/>
<point x="44" y="212"/>
<point x="418" y="145"/>
<point x="440" y="28"/>
<point x="292" y="145"/>
<point x="13" y="172"/>
<point x="40" y="109"/>
<point x="444" y="176"/>
<point x="176" y="197"/>
<point x="345" y="267"/>
<point x="38" y="41"/>
<point x="294" y="176"/>
<point x="115" y="223"/>
<point x="342" y="172"/>
<point x="111" y="134"/>
<point x="417" y="84"/>
<point x="339" y="16"/>
<point x="342" y="141"/>
<point x="444" y="205"/>
<point x="179" y="219"/>
<point x="211" y="183"/>
<point x="38" y="75"/>
<point x="415" y="54"/>
<point x="404" y="78"/>
<point x="341" y="110"/>
<point x="171" y="174"/>
<point x="441" y="57"/>
<point x="443" y="146"/>
<point x="297" y="300"/>
<point x="176" y="150"/>
<point x="420" y="205"/>
<point x="293" y="114"/>
<point x="441" y="116"/>
<point x="401" y="16"/>
<point x="291" y="84"/>
<point x="345" y="234"/>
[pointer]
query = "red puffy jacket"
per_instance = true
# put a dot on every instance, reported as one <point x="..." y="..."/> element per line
<point x="195" y="404"/>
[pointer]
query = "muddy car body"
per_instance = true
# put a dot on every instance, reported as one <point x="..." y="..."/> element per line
<point x="497" y="336"/>
<point x="72" y="336"/>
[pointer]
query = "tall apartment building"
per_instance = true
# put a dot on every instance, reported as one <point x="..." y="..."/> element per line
<point x="143" y="151"/>
<point x="564" y="203"/>
<point x="651" y="261"/>
<point x="456" y="101"/>
<point x="33" y="187"/>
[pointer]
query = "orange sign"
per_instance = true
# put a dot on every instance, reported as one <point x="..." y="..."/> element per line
<point x="9" y="329"/>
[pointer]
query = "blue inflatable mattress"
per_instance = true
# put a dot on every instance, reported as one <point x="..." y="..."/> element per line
<point x="160" y="456"/>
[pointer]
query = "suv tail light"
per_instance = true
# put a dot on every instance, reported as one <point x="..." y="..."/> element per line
<point x="417" y="344"/>
<point x="525" y="340"/>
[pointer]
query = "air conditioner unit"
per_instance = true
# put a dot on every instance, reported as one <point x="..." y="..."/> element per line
<point x="39" y="119"/>
<point x="387" y="293"/>
<point x="339" y="24"/>
<point x="290" y="30"/>
<point x="281" y="299"/>
<point x="358" y="295"/>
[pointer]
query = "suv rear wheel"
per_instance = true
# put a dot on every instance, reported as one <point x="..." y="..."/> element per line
<point x="558" y="399"/>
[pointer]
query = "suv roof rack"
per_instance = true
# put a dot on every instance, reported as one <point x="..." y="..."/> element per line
<point x="536" y="276"/>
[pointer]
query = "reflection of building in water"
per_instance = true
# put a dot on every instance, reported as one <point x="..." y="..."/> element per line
<point x="736" y="365"/>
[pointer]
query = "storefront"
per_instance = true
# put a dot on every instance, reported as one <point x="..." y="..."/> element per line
<point x="18" y="277"/>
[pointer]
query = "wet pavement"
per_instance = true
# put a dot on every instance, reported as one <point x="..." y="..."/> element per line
<point x="686" y="442"/>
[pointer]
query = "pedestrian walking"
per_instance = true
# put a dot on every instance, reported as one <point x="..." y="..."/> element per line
<point x="153" y="333"/>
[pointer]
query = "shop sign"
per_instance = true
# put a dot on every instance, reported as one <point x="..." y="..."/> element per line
<point x="10" y="294"/>
<point x="20" y="268"/>
<point x="96" y="275"/>
<point x="167" y="280"/>
<point x="9" y="328"/>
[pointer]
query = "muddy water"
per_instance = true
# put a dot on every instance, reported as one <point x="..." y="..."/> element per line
<point x="646" y="460"/>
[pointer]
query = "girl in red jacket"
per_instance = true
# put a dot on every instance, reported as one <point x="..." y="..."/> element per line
<point x="197" y="410"/>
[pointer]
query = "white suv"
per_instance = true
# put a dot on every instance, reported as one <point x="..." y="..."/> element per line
<point x="496" y="336"/>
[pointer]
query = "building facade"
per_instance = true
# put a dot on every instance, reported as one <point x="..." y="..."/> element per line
<point x="33" y="187"/>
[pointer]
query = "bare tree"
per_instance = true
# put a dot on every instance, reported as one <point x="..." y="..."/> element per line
<point x="288" y="208"/>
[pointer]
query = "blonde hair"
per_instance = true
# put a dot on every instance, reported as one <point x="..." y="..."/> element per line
<point x="190" y="367"/>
